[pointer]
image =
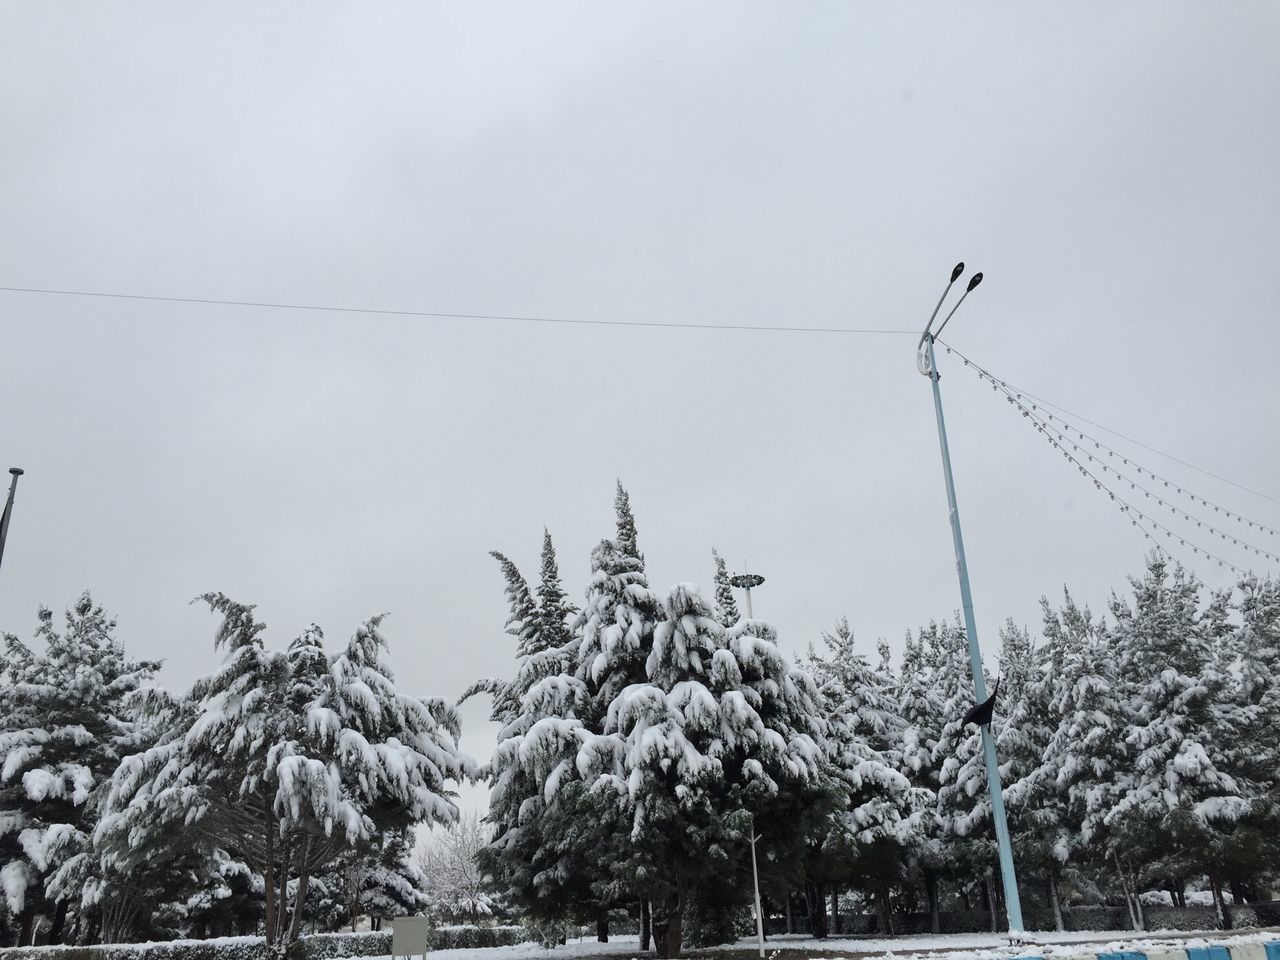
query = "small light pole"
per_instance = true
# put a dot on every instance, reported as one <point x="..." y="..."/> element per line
<point x="755" y="879"/>
<point x="745" y="581"/>
<point x="928" y="366"/>
<point x="8" y="508"/>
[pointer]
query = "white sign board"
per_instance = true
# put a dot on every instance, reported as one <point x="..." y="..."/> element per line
<point x="409" y="936"/>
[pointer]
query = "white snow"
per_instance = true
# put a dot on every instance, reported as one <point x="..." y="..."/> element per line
<point x="960" y="946"/>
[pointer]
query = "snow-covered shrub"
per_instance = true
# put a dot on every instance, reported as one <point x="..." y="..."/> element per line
<point x="330" y="946"/>
<point x="225" y="948"/>
<point x="1191" y="917"/>
<point x="709" y="924"/>
<point x="1243" y="917"/>
<point x="471" y="937"/>
<point x="1267" y="912"/>
<point x="1095" y="918"/>
<point x="549" y="933"/>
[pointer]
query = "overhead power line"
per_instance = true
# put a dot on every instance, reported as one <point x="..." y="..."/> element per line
<point x="320" y="308"/>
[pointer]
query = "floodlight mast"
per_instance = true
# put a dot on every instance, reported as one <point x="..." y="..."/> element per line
<point x="927" y="365"/>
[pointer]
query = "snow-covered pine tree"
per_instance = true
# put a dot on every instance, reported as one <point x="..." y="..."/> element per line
<point x="554" y="609"/>
<point x="963" y="807"/>
<point x="921" y="708"/>
<point x="282" y="790"/>
<point x="524" y="624"/>
<point x="1085" y="751"/>
<point x="1248" y="732"/>
<point x="1175" y="799"/>
<point x="615" y="627"/>
<point x="626" y="538"/>
<point x="555" y="844"/>
<point x="68" y="712"/>
<point x="726" y="605"/>
<point x="721" y="729"/>
<point x="874" y="824"/>
<point x="1023" y="728"/>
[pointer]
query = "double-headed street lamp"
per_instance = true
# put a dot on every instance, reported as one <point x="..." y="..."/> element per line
<point x="928" y="366"/>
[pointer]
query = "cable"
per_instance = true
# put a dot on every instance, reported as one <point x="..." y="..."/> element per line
<point x="1117" y="433"/>
<point x="1130" y="511"/>
<point x="449" y="316"/>
<point x="1099" y="445"/>
<point x="1150" y="495"/>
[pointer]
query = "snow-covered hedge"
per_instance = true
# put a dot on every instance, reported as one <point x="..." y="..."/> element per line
<point x="323" y="946"/>
<point x="223" y="948"/>
<point x="1267" y="912"/>
<point x="1191" y="917"/>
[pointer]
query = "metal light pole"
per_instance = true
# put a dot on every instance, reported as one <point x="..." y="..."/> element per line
<point x="745" y="581"/>
<point x="8" y="508"/>
<point x="928" y="366"/>
<point x="755" y="879"/>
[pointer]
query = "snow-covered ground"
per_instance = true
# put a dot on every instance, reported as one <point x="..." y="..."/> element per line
<point x="960" y="946"/>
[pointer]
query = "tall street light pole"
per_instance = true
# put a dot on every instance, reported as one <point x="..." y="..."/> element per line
<point x="927" y="365"/>
<point x="745" y="581"/>
<point x="8" y="508"/>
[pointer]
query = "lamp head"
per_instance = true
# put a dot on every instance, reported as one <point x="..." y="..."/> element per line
<point x="959" y="269"/>
<point x="16" y="471"/>
<point x="977" y="279"/>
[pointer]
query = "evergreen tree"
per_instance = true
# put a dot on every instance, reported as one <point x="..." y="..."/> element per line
<point x="720" y="730"/>
<point x="963" y="806"/>
<point x="68" y="713"/>
<point x="726" y="608"/>
<point x="554" y="609"/>
<point x="879" y="814"/>
<point x="1023" y="728"/>
<point x="285" y="765"/>
<point x="615" y="626"/>
<point x="1175" y="795"/>
<point x="626" y="536"/>
<point x="921" y="709"/>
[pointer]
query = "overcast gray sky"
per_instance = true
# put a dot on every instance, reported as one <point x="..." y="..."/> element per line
<point x="1111" y="167"/>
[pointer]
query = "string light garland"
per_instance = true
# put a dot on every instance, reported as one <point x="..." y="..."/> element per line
<point x="1070" y="427"/>
<point x="1070" y="451"/>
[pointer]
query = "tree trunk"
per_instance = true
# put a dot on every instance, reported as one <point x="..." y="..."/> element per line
<point x="646" y="919"/>
<point x="1181" y="887"/>
<point x="1055" y="901"/>
<point x="300" y="898"/>
<point x="26" y="937"/>
<point x="817" y="904"/>
<point x="931" y="894"/>
<point x="282" y="897"/>
<point x="1130" y="900"/>
<point x="269" y="883"/>
<point x="668" y="919"/>
<point x="791" y="928"/>
<point x="884" y="907"/>
<point x="602" y="929"/>
<point x="835" y="909"/>
<point x="1219" y="904"/>
<point x="1137" y="901"/>
<point x="60" y="921"/>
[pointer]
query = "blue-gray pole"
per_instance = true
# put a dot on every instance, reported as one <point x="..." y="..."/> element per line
<point x="1012" y="904"/>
